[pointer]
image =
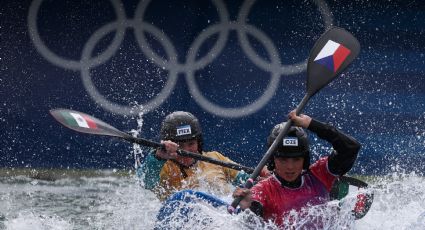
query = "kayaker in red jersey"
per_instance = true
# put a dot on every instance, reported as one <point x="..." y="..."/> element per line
<point x="295" y="184"/>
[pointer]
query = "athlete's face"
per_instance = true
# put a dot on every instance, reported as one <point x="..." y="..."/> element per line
<point x="190" y="146"/>
<point x="289" y="168"/>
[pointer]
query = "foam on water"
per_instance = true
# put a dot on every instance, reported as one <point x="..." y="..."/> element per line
<point x="29" y="220"/>
<point x="76" y="203"/>
<point x="120" y="203"/>
<point x="399" y="203"/>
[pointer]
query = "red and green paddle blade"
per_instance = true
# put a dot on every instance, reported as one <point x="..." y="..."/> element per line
<point x="84" y="123"/>
<point x="333" y="52"/>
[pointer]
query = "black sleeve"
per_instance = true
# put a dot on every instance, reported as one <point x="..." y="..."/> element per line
<point x="256" y="208"/>
<point x="345" y="147"/>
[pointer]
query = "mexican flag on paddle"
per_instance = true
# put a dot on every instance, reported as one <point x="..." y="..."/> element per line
<point x="78" y="120"/>
<point x="84" y="123"/>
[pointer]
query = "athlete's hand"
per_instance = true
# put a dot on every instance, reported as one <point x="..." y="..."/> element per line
<point x="299" y="120"/>
<point x="264" y="174"/>
<point x="170" y="151"/>
<point x="246" y="197"/>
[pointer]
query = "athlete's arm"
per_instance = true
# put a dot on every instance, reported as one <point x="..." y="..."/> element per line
<point x="150" y="169"/>
<point x="345" y="147"/>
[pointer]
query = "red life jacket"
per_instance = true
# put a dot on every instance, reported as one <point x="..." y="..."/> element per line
<point x="278" y="201"/>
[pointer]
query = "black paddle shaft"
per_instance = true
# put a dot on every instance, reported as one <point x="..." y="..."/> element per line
<point x="250" y="182"/>
<point x="104" y="129"/>
<point x="181" y="152"/>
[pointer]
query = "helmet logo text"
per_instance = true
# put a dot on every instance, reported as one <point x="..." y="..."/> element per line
<point x="183" y="130"/>
<point x="290" y="141"/>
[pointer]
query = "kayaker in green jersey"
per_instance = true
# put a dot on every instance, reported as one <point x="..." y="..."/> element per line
<point x="165" y="172"/>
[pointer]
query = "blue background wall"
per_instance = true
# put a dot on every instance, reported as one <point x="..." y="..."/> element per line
<point x="54" y="54"/>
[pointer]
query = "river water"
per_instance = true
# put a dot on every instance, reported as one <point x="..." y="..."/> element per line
<point x="57" y="199"/>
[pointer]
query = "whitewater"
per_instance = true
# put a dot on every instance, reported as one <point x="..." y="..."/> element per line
<point x="64" y="200"/>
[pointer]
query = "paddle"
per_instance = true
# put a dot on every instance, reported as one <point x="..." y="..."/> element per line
<point x="331" y="54"/>
<point x="364" y="200"/>
<point x="84" y="123"/>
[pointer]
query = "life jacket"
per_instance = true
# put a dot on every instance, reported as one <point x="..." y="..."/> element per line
<point x="175" y="177"/>
<point x="278" y="201"/>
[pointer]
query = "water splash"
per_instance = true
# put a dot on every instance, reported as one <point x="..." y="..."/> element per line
<point x="399" y="203"/>
<point x="119" y="202"/>
<point x="27" y="220"/>
<point x="137" y="149"/>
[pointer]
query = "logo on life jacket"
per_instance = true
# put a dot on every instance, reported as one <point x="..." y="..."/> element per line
<point x="183" y="130"/>
<point x="290" y="141"/>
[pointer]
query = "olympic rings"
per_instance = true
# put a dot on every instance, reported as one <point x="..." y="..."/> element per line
<point x="170" y="63"/>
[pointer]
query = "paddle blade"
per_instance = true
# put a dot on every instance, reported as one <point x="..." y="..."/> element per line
<point x="364" y="198"/>
<point x="332" y="53"/>
<point x="84" y="123"/>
